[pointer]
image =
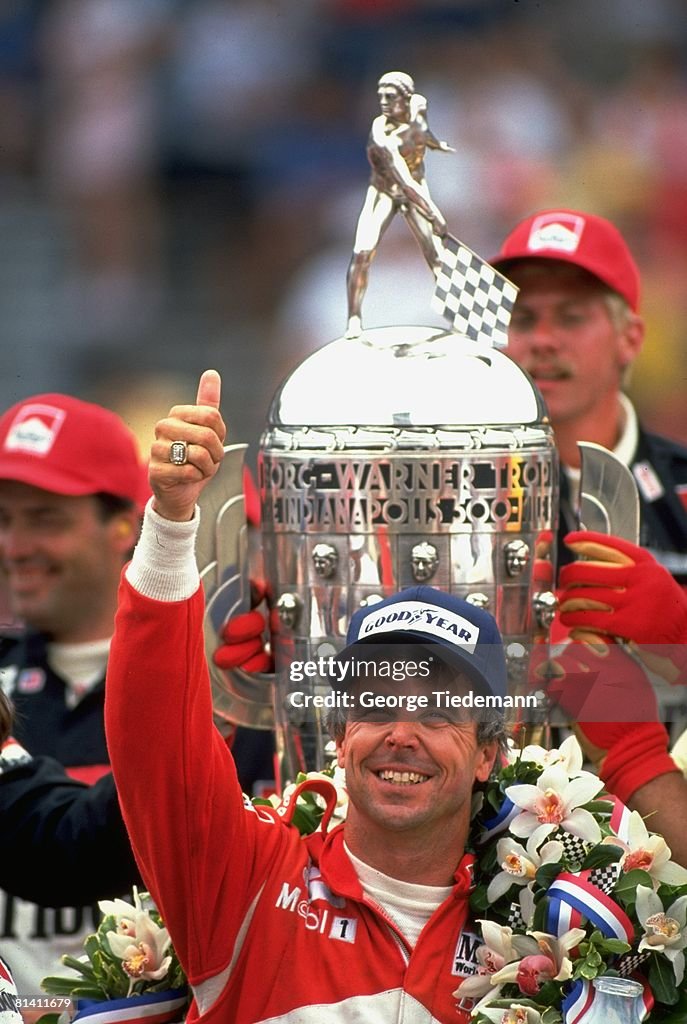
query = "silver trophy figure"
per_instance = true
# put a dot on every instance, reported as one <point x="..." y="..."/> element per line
<point x="399" y="456"/>
<point x="398" y="139"/>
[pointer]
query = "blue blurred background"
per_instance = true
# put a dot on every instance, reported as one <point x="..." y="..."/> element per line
<point x="181" y="178"/>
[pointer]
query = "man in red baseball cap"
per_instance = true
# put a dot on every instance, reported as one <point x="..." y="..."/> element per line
<point x="576" y="328"/>
<point x="72" y="491"/>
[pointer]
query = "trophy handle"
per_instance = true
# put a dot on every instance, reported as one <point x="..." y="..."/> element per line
<point x="238" y="697"/>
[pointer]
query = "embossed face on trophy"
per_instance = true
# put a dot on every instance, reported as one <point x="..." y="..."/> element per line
<point x="544" y="604"/>
<point x="424" y="559"/>
<point x="517" y="555"/>
<point x="325" y="559"/>
<point x="289" y="610"/>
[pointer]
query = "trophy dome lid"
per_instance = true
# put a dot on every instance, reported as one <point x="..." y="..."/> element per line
<point x="410" y="377"/>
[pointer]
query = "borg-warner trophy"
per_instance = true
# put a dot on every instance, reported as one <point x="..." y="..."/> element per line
<point x="394" y="456"/>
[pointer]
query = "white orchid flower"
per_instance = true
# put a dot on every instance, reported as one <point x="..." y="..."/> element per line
<point x="143" y="953"/>
<point x="555" y="801"/>
<point x="665" y="931"/>
<point x="519" y="865"/>
<point x="124" y="914"/>
<point x="649" y="852"/>
<point x="498" y="950"/>
<point x="517" y="1014"/>
<point x="568" y="755"/>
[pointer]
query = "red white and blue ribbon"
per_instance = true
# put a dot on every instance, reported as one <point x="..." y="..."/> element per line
<point x="561" y="917"/>
<point x="149" y="1008"/>
<point x="620" y="820"/>
<point x="578" y="1004"/>
<point x="500" y="821"/>
<point x="575" y="891"/>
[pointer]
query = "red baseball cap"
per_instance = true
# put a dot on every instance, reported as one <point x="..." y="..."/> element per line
<point x="583" y="239"/>
<point x="67" y="446"/>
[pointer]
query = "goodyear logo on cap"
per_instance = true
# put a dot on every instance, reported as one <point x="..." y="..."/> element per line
<point x="562" y="233"/>
<point x="34" y="429"/>
<point x="421" y="618"/>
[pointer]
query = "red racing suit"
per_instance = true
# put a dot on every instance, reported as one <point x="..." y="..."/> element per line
<point x="269" y="927"/>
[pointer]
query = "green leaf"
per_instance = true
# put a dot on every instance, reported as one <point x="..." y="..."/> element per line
<point x="676" y="1014"/>
<point x="602" y="807"/>
<point x="494" y="800"/>
<point x="612" y="946"/>
<point x="539" y="919"/>
<point x="601" y="857"/>
<point x="75" y="964"/>
<point x="594" y="958"/>
<point x="478" y="899"/>
<point x="587" y="970"/>
<point x="91" y="945"/>
<point x="625" y="889"/>
<point x="662" y="980"/>
<point x="488" y="861"/>
<point x="548" y="995"/>
<point x="85" y="991"/>
<point x="57" y="986"/>
<point x="305" y="820"/>
<point x="108" y="924"/>
<point x="547" y="874"/>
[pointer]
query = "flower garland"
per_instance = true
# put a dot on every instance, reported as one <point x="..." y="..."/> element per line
<point x="571" y="887"/>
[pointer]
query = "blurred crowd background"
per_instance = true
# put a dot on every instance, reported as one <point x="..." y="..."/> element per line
<point x="181" y="178"/>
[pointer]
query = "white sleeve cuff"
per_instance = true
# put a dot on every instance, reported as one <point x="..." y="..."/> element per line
<point x="163" y="566"/>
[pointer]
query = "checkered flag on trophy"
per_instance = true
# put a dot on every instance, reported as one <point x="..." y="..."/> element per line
<point x="474" y="297"/>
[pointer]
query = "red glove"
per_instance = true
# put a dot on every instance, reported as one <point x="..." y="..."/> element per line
<point x="636" y="759"/>
<point x="613" y="704"/>
<point x="618" y="589"/>
<point x="244" y="642"/>
<point x="598" y="683"/>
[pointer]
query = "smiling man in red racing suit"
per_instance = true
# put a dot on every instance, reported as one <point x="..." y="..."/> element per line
<point x="366" y="922"/>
